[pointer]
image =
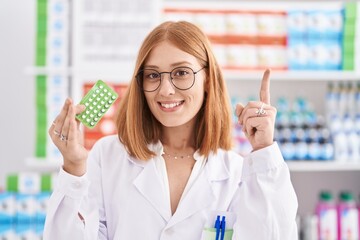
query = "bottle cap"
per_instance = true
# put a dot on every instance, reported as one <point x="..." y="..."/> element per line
<point x="326" y="196"/>
<point x="346" y="196"/>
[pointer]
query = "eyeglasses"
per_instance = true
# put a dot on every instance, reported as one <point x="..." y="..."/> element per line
<point x="183" y="78"/>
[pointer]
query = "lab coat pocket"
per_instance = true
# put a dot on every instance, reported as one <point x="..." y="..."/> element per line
<point x="210" y="234"/>
<point x="219" y="226"/>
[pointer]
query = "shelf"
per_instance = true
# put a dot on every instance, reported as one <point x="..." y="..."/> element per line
<point x="42" y="164"/>
<point x="235" y="75"/>
<point x="321" y="166"/>
<point x="252" y="5"/>
<point x="48" y="71"/>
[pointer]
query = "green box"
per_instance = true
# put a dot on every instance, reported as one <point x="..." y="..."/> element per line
<point x="42" y="8"/>
<point x="40" y="60"/>
<point x="12" y="183"/>
<point x="349" y="49"/>
<point x="349" y="29"/>
<point x="42" y="25"/>
<point x="348" y="64"/>
<point x="350" y="10"/>
<point x="40" y="150"/>
<point x="46" y="183"/>
<point x="41" y="82"/>
<point x="41" y="44"/>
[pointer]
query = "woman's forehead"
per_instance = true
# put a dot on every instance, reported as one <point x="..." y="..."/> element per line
<point x="166" y="54"/>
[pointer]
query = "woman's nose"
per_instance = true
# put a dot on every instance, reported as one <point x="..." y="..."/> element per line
<point x="166" y="86"/>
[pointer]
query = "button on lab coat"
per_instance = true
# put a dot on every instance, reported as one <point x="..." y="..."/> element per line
<point x="124" y="198"/>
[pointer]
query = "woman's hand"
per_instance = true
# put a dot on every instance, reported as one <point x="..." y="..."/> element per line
<point x="257" y="118"/>
<point x="67" y="137"/>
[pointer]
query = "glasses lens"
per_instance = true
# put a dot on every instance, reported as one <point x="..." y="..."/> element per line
<point x="150" y="79"/>
<point x="182" y="77"/>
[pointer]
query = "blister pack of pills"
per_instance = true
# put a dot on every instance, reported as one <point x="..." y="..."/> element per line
<point x="97" y="101"/>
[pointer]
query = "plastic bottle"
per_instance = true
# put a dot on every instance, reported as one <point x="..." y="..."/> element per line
<point x="339" y="139"/>
<point x="357" y="131"/>
<point x="359" y="215"/>
<point x="301" y="147"/>
<point x="326" y="145"/>
<point x="332" y="101"/>
<point x="343" y="100"/>
<point x="348" y="217"/>
<point x="326" y="214"/>
<point x="357" y="98"/>
<point x="351" y="100"/>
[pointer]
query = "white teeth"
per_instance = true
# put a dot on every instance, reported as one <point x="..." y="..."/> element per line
<point x="170" y="105"/>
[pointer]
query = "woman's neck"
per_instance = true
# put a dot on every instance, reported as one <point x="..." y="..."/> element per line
<point x="179" y="138"/>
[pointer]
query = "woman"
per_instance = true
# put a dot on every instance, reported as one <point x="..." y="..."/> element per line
<point x="169" y="173"/>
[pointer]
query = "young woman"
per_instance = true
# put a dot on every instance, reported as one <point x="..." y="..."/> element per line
<point x="170" y="172"/>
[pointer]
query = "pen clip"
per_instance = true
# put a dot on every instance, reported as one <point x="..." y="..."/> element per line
<point x="217" y="226"/>
<point x="223" y="227"/>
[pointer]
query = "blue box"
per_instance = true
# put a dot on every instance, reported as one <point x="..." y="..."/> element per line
<point x="25" y="208"/>
<point x="297" y="54"/>
<point x="7" y="208"/>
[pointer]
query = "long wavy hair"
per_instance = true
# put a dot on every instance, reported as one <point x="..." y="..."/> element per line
<point x="136" y="125"/>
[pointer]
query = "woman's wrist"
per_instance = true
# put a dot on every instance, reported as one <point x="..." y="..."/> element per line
<point x="76" y="169"/>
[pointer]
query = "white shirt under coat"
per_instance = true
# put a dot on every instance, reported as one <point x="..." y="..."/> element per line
<point x="124" y="198"/>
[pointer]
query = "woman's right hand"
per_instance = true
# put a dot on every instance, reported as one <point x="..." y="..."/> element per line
<point x="67" y="137"/>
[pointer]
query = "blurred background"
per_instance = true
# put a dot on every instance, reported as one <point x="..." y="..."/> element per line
<point x="51" y="49"/>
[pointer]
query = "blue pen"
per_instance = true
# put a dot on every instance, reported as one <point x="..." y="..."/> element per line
<point x="217" y="227"/>
<point x="223" y="226"/>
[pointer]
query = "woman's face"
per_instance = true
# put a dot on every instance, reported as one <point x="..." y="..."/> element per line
<point x="170" y="106"/>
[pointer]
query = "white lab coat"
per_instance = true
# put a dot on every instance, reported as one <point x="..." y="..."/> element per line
<point x="124" y="198"/>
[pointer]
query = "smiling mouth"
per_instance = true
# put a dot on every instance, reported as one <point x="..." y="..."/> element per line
<point x="171" y="105"/>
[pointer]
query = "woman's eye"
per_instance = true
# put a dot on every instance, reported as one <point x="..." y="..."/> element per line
<point x="152" y="75"/>
<point x="181" y="73"/>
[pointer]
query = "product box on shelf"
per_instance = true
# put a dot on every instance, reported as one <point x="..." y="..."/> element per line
<point x="242" y="39"/>
<point x="23" y="205"/>
<point x="7" y="208"/>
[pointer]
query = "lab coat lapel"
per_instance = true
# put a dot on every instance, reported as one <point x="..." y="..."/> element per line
<point x="201" y="195"/>
<point x="150" y="186"/>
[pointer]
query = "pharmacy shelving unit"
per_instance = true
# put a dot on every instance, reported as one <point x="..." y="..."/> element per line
<point x="233" y="77"/>
<point x="306" y="79"/>
<point x="313" y="83"/>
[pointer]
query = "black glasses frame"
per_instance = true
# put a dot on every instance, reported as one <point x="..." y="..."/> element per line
<point x="139" y="79"/>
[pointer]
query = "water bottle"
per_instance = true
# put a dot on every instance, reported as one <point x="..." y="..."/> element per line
<point x="326" y="145"/>
<point x="357" y="99"/>
<point x="332" y="98"/>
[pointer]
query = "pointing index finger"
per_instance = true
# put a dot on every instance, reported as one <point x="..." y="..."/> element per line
<point x="265" y="87"/>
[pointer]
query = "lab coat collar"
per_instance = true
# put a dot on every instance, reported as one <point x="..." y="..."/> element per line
<point x="200" y="195"/>
<point x="149" y="183"/>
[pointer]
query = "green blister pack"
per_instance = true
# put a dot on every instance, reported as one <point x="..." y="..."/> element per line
<point x="97" y="101"/>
